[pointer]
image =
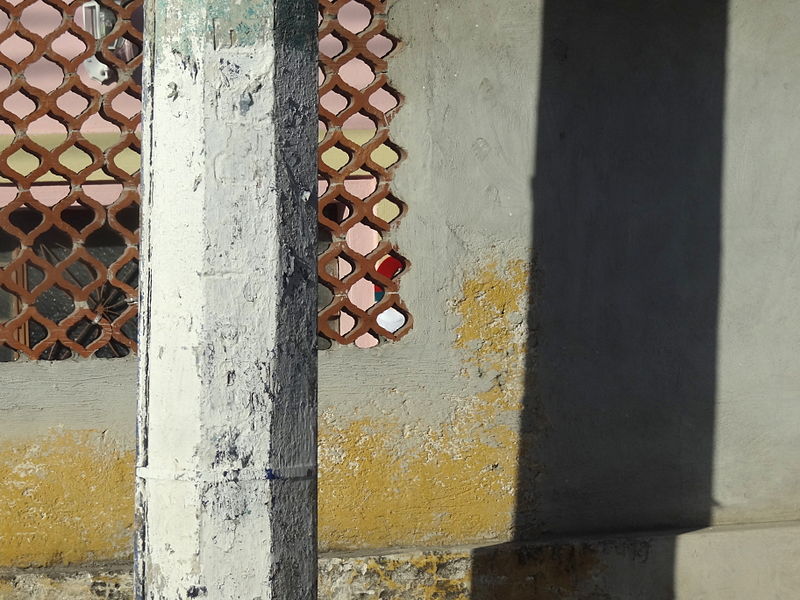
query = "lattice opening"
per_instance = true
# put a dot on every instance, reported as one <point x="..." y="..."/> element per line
<point x="70" y="111"/>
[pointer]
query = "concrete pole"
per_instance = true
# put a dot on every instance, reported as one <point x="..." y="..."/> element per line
<point x="226" y="474"/>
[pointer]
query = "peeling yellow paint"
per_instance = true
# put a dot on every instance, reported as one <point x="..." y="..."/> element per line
<point x="426" y="576"/>
<point x="65" y="498"/>
<point x="451" y="487"/>
<point x="82" y="586"/>
<point x="6" y="589"/>
<point x="505" y="571"/>
<point x="386" y="484"/>
<point x="492" y="331"/>
<point x="431" y="575"/>
<point x="489" y="302"/>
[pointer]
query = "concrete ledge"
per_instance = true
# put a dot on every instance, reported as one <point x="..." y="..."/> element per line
<point x="719" y="563"/>
<point x="110" y="583"/>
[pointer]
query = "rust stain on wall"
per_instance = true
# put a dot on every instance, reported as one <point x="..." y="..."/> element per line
<point x="65" y="498"/>
<point x="388" y="483"/>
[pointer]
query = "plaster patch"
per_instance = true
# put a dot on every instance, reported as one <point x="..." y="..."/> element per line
<point x="65" y="498"/>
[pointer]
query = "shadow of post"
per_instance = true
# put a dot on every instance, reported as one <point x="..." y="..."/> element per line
<point x="618" y="423"/>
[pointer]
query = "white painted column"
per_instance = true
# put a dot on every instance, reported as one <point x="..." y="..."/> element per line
<point x="226" y="486"/>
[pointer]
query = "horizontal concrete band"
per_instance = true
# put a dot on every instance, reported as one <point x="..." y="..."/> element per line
<point x="730" y="563"/>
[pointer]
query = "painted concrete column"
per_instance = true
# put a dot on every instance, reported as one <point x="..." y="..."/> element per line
<point x="227" y="403"/>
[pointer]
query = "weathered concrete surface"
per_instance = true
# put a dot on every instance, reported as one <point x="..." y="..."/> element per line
<point x="91" y="584"/>
<point x="73" y="394"/>
<point x="411" y="479"/>
<point x="722" y="563"/>
<point x="65" y="498"/>
<point x="661" y="385"/>
<point x="226" y="465"/>
<point x="665" y="237"/>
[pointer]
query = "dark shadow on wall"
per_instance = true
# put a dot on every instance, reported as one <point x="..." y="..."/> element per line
<point x="619" y="416"/>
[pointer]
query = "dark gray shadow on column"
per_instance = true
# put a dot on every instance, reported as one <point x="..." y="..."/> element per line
<point x="618" y="425"/>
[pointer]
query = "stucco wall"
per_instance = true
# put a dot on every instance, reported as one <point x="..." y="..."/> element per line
<point x="644" y="157"/>
<point x="66" y="462"/>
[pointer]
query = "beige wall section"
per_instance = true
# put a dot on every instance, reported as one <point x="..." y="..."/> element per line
<point x="419" y="438"/>
<point x="757" y="439"/>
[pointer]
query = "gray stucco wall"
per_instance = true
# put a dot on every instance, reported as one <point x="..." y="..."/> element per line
<point x="666" y="205"/>
<point x="757" y="435"/>
<point x="71" y="394"/>
<point x="466" y="124"/>
<point x="661" y="141"/>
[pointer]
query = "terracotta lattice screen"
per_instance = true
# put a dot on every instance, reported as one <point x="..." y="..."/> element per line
<point x="70" y="111"/>
<point x="358" y="267"/>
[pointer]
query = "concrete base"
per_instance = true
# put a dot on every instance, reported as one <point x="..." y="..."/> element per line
<point x="720" y="563"/>
<point x="109" y="583"/>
